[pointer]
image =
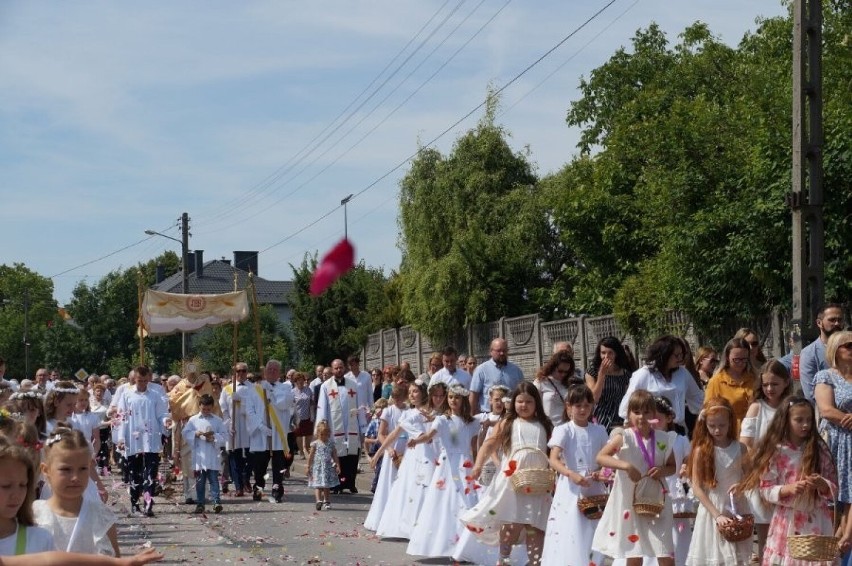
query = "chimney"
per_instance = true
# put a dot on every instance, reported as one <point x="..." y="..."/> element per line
<point x="190" y="263"/>
<point x="199" y="263"/>
<point x="161" y="273"/>
<point x="247" y="261"/>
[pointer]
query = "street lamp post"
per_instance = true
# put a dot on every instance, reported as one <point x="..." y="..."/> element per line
<point x="184" y="252"/>
<point x="344" y="202"/>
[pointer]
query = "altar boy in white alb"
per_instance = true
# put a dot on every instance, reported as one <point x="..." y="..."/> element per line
<point x="144" y="417"/>
<point x="206" y="433"/>
<point x="343" y="405"/>
<point x="268" y="418"/>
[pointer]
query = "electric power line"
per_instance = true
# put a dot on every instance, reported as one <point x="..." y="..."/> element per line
<point x="295" y="160"/>
<point x="452" y="126"/>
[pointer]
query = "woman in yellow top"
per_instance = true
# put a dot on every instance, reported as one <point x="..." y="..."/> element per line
<point x="735" y="379"/>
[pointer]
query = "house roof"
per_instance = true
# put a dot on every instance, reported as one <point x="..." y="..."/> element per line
<point x="219" y="278"/>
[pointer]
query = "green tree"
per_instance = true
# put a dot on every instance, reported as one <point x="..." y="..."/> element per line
<point x="336" y="324"/>
<point x="107" y="314"/>
<point x="26" y="299"/>
<point x="475" y="234"/>
<point x="677" y="199"/>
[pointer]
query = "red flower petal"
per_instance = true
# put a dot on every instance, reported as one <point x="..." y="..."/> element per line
<point x="336" y="263"/>
<point x="467" y="464"/>
<point x="513" y="465"/>
<point x="633" y="538"/>
<point x="611" y="533"/>
<point x="626" y="515"/>
<point x="473" y="529"/>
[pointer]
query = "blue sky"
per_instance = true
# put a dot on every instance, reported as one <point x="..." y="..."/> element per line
<point x="117" y="117"/>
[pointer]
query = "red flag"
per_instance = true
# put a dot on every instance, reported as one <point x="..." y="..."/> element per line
<point x="334" y="265"/>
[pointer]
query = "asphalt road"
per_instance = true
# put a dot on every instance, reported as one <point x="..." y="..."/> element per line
<point x="249" y="532"/>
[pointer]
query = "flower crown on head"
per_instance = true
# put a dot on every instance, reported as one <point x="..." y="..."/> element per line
<point x="459" y="390"/>
<point x="67" y="390"/>
<point x="25" y="395"/>
<point x="419" y="382"/>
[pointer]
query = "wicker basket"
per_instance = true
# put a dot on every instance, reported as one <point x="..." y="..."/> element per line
<point x="533" y="481"/>
<point x="739" y="528"/>
<point x="649" y="497"/>
<point x="486" y="476"/>
<point x="592" y="507"/>
<point x="684" y="515"/>
<point x="814" y="548"/>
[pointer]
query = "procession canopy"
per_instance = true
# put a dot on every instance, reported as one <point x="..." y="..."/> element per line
<point x="167" y="313"/>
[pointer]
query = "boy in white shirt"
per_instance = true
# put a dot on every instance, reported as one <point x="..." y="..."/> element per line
<point x="206" y="433"/>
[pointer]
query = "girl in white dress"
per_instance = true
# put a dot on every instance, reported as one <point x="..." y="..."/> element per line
<point x="78" y="524"/>
<point x="18" y="533"/>
<point x="573" y="448"/>
<point x="718" y="462"/>
<point x="634" y="453"/>
<point x="388" y="422"/>
<point x="773" y="386"/>
<point x="452" y="488"/>
<point x="469" y="548"/>
<point x="504" y="515"/>
<point x="406" y="495"/>
<point x="681" y="527"/>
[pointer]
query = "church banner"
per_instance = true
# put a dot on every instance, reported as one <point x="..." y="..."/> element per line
<point x="167" y="313"/>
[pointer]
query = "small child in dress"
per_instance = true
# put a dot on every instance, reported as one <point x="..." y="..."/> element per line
<point x="77" y="524"/>
<point x="503" y="515"/>
<point x="496" y="394"/>
<point x="371" y="438"/>
<point x="59" y="404"/>
<point x="206" y="432"/>
<point x="681" y="527"/>
<point x="30" y="405"/>
<point x="18" y="533"/>
<point x="718" y="463"/>
<point x="573" y="448"/>
<point x="794" y="471"/>
<point x="323" y="466"/>
<point x="772" y="387"/>
<point x="635" y="453"/>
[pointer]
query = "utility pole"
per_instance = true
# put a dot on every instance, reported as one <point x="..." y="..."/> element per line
<point x="184" y="249"/>
<point x="184" y="258"/>
<point x="27" y="334"/>
<point x="806" y="197"/>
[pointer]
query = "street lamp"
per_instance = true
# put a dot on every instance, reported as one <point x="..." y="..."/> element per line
<point x="184" y="252"/>
<point x="345" y="218"/>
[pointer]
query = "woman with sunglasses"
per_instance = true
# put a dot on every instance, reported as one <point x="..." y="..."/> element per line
<point x="706" y="362"/>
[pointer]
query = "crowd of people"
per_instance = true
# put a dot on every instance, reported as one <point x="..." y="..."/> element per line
<point x="706" y="459"/>
<point x="659" y="462"/>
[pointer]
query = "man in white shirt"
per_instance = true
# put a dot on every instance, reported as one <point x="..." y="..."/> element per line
<point x="144" y="417"/>
<point x="362" y="378"/>
<point x="450" y="374"/>
<point x="233" y="404"/>
<point x="269" y="414"/>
